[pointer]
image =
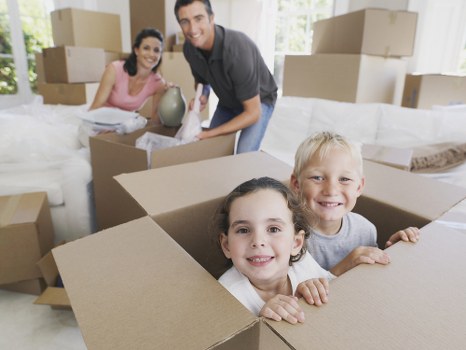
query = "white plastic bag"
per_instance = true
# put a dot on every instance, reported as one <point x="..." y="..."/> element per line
<point x="192" y="123"/>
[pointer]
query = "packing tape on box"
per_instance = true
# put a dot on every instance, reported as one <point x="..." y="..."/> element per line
<point x="10" y="209"/>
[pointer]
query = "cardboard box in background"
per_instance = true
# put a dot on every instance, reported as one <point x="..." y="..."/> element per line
<point x="345" y="78"/>
<point x="154" y="298"/>
<point x="370" y="31"/>
<point x="156" y="14"/>
<point x="85" y="28"/>
<point x="53" y="295"/>
<point x="40" y="71"/>
<point x="176" y="69"/>
<point x="72" y="64"/>
<point x="113" y="154"/>
<point x="68" y="94"/>
<point x="33" y="286"/>
<point x="426" y="90"/>
<point x="26" y="234"/>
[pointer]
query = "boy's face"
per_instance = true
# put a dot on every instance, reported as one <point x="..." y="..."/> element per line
<point x="330" y="187"/>
<point x="197" y="25"/>
<point x="261" y="237"/>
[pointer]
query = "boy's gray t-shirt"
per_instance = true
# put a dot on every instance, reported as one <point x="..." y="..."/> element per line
<point x="355" y="231"/>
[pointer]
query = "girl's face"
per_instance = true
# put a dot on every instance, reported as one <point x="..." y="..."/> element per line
<point x="261" y="237"/>
<point x="149" y="52"/>
<point x="330" y="187"/>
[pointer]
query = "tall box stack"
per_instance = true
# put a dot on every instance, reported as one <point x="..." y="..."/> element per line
<point x="85" y="41"/>
<point x="427" y="90"/>
<point x="356" y="57"/>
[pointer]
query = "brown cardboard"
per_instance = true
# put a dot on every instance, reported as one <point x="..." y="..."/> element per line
<point x="370" y="31"/>
<point x="26" y="234"/>
<point x="53" y="295"/>
<point x="196" y="196"/>
<point x="393" y="156"/>
<point x="72" y="64"/>
<point x="33" y="286"/>
<point x="398" y="304"/>
<point x="345" y="77"/>
<point x="68" y="94"/>
<point x="113" y="154"/>
<point x="39" y="67"/>
<point x="85" y="28"/>
<point x="415" y="302"/>
<point x="125" y="298"/>
<point x="426" y="90"/>
<point x="157" y="14"/>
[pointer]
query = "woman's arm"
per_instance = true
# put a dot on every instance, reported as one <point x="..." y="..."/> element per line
<point x="105" y="87"/>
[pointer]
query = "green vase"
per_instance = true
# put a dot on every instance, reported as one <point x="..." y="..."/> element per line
<point x="172" y="107"/>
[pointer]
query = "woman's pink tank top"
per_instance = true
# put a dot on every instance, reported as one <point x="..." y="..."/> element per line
<point x="120" y="98"/>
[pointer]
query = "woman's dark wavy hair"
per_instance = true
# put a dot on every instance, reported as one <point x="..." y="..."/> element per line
<point x="130" y="65"/>
<point x="221" y="220"/>
<point x="181" y="3"/>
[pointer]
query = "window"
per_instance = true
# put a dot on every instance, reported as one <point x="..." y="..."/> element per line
<point x="31" y="19"/>
<point x="294" y="29"/>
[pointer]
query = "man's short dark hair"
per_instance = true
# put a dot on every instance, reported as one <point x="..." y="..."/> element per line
<point x="181" y="3"/>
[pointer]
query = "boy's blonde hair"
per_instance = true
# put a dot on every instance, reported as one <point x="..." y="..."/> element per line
<point x="320" y="144"/>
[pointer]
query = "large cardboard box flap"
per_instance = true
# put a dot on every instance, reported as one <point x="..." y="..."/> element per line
<point x="415" y="302"/>
<point x="200" y="187"/>
<point x="133" y="287"/>
<point x="26" y="234"/>
<point x="394" y="199"/>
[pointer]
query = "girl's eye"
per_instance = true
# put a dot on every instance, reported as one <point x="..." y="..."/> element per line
<point x="242" y="230"/>
<point x="274" y="229"/>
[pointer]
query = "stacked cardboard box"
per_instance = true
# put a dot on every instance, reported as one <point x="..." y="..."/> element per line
<point x="426" y="90"/>
<point x="26" y="234"/>
<point x="356" y="57"/>
<point x="85" y="41"/>
<point x="160" y="270"/>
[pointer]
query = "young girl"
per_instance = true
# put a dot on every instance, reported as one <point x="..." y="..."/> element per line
<point x="262" y="228"/>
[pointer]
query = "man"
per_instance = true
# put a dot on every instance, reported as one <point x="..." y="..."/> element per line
<point x="232" y="65"/>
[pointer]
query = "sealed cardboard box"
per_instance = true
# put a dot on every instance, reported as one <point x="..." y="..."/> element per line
<point x="370" y="31"/>
<point x="157" y="14"/>
<point x="26" y="234"/>
<point x="73" y="64"/>
<point x="68" y="94"/>
<point x="345" y="78"/>
<point x="426" y="90"/>
<point x="113" y="154"/>
<point x="85" y="28"/>
<point x="39" y="67"/>
<point x="154" y="298"/>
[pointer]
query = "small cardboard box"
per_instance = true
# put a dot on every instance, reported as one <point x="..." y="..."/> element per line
<point x="426" y="90"/>
<point x="172" y="288"/>
<point x="26" y="234"/>
<point x="393" y="156"/>
<point x="54" y="294"/>
<point x="84" y="28"/>
<point x="72" y="64"/>
<point x="113" y="154"/>
<point x="68" y="94"/>
<point x="372" y="31"/>
<point x="40" y="71"/>
<point x="345" y="78"/>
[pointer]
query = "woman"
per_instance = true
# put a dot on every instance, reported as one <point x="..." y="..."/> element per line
<point x="127" y="84"/>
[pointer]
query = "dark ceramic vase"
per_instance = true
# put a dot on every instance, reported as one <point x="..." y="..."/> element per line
<point x="172" y="107"/>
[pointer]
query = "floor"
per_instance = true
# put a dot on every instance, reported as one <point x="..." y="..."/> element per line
<point x="26" y="326"/>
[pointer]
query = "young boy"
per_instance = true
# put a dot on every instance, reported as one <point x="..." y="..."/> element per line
<point x="328" y="175"/>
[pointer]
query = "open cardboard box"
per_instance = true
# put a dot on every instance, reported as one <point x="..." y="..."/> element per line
<point x="26" y="234"/>
<point x="113" y="154"/>
<point x="149" y="283"/>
